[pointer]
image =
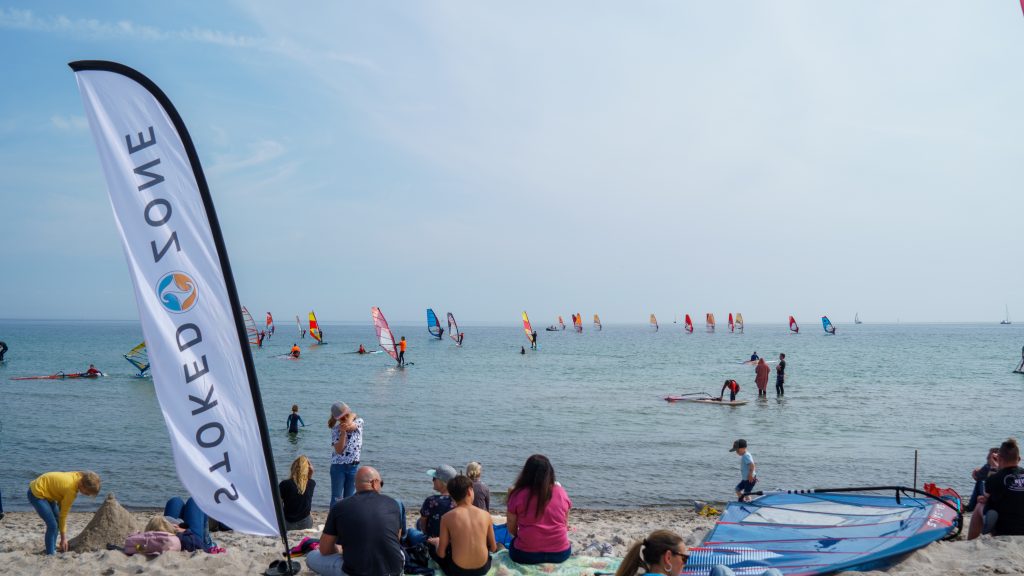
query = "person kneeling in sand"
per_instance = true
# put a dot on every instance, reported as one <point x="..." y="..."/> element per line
<point x="367" y="527"/>
<point x="467" y="535"/>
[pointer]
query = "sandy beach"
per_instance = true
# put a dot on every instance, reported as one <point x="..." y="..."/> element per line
<point x="21" y="545"/>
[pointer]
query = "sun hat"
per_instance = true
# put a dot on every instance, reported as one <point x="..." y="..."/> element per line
<point x="444" y="473"/>
<point x="339" y="409"/>
<point x="741" y="443"/>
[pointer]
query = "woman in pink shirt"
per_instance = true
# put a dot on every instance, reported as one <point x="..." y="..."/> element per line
<point x="538" y="515"/>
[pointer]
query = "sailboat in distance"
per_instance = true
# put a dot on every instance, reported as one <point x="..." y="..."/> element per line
<point x="793" y="327"/>
<point x="654" y="323"/>
<point x="597" y="322"/>
<point x="709" y="322"/>
<point x="732" y="325"/>
<point x="1007" y="319"/>
<point x="561" y="322"/>
<point x="856" y="318"/>
<point x="827" y="325"/>
<point x="453" y="329"/>
<point x="739" y="321"/>
<point x="688" y="325"/>
<point x="577" y="322"/>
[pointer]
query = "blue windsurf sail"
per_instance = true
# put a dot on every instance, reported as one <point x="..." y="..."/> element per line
<point x="139" y="358"/>
<point x="824" y="531"/>
<point x="827" y="325"/>
<point x="433" y="324"/>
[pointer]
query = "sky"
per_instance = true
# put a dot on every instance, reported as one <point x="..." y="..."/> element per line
<point x="769" y="158"/>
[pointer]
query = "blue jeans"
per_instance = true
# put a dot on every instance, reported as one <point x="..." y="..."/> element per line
<point x="343" y="481"/>
<point x="520" y="557"/>
<point x="48" y="511"/>
<point x="324" y="565"/>
<point x="193" y="517"/>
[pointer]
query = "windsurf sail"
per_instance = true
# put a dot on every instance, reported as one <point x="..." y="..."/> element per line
<point x="732" y="325"/>
<point x="654" y="323"/>
<point x="597" y="322"/>
<point x="577" y="322"/>
<point x="453" y="328"/>
<point x="793" y="327"/>
<point x="739" y="321"/>
<point x="433" y="324"/>
<point x="809" y="532"/>
<point x="298" y="323"/>
<point x="250" y="327"/>
<point x="709" y="322"/>
<point x="827" y="325"/>
<point x="270" y="324"/>
<point x="527" y="328"/>
<point x="314" y="328"/>
<point x="384" y="336"/>
<point x="561" y="322"/>
<point x="688" y="325"/>
<point x="856" y="318"/>
<point x="139" y="358"/>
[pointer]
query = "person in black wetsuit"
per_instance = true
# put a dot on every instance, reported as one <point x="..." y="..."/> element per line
<point x="533" y="344"/>
<point x="522" y="349"/>
<point x="780" y="376"/>
<point x="754" y="357"/>
<point x="294" y="420"/>
<point x="3" y="350"/>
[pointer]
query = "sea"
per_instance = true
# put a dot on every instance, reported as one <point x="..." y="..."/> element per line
<point x="875" y="404"/>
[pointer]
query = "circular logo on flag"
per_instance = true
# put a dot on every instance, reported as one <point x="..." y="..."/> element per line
<point x="177" y="292"/>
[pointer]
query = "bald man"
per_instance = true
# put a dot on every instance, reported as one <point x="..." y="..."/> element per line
<point x="367" y="526"/>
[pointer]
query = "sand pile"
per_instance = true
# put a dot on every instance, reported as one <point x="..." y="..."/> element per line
<point x="111" y="524"/>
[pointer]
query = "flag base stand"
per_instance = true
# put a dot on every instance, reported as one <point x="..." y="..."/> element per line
<point x="284" y="568"/>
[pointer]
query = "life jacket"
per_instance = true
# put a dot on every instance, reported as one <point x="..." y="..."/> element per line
<point x="734" y="386"/>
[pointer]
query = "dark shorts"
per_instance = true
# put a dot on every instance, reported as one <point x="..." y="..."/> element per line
<point x="746" y="486"/>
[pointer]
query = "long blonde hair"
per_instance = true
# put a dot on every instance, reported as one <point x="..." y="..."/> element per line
<point x="90" y="483"/>
<point x="300" y="473"/>
<point x="160" y="524"/>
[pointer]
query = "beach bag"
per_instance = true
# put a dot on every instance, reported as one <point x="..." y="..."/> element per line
<point x="151" y="543"/>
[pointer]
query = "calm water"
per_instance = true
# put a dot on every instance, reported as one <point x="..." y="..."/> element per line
<point x="856" y="406"/>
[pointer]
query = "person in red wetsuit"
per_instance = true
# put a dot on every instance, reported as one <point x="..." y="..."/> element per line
<point x="92" y="371"/>
<point x="733" y="387"/>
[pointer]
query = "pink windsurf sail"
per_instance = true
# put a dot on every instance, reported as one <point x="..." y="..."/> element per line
<point x="384" y="336"/>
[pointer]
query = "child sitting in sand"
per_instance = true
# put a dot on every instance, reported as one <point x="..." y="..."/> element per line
<point x="467" y="535"/>
<point x="481" y="493"/>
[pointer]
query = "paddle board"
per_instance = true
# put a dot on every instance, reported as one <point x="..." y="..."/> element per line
<point x="705" y="400"/>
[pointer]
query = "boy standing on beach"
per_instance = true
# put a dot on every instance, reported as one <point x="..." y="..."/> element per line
<point x="748" y="470"/>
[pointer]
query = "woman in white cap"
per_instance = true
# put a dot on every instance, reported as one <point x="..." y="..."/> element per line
<point x="347" y="443"/>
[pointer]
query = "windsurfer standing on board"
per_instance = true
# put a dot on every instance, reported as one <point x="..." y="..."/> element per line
<point x="3" y="350"/>
<point x="401" y="351"/>
<point x="461" y="336"/>
<point x="533" y="340"/>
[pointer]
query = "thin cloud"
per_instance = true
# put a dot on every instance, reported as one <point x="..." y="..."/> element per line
<point x="15" y="19"/>
<point x="70" y="123"/>
<point x="260" y="152"/>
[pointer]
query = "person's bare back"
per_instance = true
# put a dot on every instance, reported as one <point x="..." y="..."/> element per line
<point x="467" y="530"/>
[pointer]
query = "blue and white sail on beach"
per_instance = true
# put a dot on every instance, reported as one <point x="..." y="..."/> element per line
<point x="827" y="325"/>
<point x="433" y="324"/>
<point x="822" y="532"/>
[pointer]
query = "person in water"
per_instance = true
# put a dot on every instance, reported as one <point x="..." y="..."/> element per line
<point x="533" y="340"/>
<point x="762" y="373"/>
<point x="754" y="357"/>
<point x="303" y="333"/>
<point x="362" y="350"/>
<point x="401" y="351"/>
<point x="3" y="350"/>
<point x="780" y="376"/>
<point x="461" y="336"/>
<point x="92" y="371"/>
<point x="259" y="339"/>
<point x="296" y="351"/>
<point x="522" y="349"/>
<point x="733" y="387"/>
<point x="294" y="420"/>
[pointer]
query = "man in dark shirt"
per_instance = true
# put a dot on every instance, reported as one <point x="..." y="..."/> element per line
<point x="780" y="376"/>
<point x="1001" y="510"/>
<point x="366" y="526"/>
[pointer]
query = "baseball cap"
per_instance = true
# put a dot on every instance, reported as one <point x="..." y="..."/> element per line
<point x="339" y="409"/>
<point x="444" y="473"/>
<point x="741" y="443"/>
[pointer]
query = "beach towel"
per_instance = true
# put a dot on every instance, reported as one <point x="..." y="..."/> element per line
<point x="501" y="565"/>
